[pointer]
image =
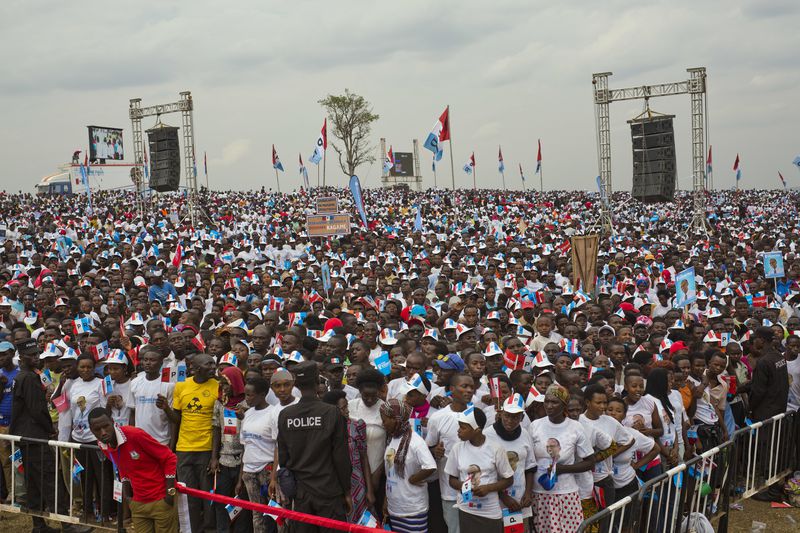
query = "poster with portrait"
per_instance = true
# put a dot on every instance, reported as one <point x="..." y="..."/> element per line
<point x="773" y="265"/>
<point x="685" y="288"/>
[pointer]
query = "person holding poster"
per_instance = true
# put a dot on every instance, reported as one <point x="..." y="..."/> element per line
<point x="773" y="265"/>
<point x="685" y="288"/>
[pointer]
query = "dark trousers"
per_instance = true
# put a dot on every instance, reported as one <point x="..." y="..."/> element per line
<point x="435" y="516"/>
<point x="305" y="502"/>
<point x="226" y="484"/>
<point x="97" y="483"/>
<point x="193" y="470"/>
<point x="40" y="471"/>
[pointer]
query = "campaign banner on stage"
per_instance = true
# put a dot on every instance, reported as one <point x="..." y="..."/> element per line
<point x="773" y="265"/>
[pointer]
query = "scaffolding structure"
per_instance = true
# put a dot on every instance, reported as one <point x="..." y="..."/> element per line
<point x="184" y="106"/>
<point x="695" y="87"/>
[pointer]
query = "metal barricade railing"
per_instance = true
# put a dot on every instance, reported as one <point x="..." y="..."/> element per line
<point x="751" y="460"/>
<point x="60" y="496"/>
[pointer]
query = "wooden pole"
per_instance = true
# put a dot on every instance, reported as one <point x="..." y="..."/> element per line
<point x="324" y="161"/>
<point x="277" y="180"/>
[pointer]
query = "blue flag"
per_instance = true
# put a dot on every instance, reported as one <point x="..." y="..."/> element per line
<point x="358" y="199"/>
<point x="418" y="220"/>
<point x="796" y="161"/>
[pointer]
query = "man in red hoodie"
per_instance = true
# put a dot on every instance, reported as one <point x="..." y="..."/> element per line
<point x="146" y="469"/>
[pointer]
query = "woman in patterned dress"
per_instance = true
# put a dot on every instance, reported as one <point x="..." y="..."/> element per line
<point x="360" y="480"/>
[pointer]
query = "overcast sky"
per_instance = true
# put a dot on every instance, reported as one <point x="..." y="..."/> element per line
<point x="512" y="72"/>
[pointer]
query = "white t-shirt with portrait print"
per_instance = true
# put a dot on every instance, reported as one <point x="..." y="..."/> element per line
<point x="563" y="443"/>
<point x="485" y="464"/>
<point x="520" y="457"/>
<point x="404" y="498"/>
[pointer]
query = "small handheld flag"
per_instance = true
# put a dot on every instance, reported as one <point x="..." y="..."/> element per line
<point x="276" y="161"/>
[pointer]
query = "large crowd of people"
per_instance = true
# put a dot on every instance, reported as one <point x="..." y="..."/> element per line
<point x="436" y="372"/>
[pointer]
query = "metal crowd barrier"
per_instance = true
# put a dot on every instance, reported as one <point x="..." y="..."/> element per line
<point x="64" y="488"/>
<point x="752" y="459"/>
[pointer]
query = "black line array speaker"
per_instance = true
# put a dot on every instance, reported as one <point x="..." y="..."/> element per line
<point x="653" y="143"/>
<point x="165" y="159"/>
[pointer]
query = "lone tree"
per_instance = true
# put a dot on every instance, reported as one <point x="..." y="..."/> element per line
<point x="351" y="117"/>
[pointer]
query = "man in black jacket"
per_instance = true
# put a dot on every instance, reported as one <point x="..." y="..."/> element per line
<point x="312" y="445"/>
<point x="769" y="388"/>
<point x="769" y="394"/>
<point x="30" y="417"/>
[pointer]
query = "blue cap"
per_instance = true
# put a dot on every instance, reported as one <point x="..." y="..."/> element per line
<point x="451" y="361"/>
<point x="6" y="346"/>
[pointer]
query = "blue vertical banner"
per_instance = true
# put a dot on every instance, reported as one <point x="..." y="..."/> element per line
<point x="358" y="199"/>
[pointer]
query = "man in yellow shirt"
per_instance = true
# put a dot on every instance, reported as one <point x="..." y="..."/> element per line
<point x="191" y="412"/>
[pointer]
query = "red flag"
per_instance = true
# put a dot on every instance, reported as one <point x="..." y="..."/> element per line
<point x="472" y="160"/>
<point x="324" y="134"/>
<point x="513" y="361"/>
<point x="736" y="163"/>
<point x="176" y="258"/>
<point x="274" y="155"/>
<point x="444" y="135"/>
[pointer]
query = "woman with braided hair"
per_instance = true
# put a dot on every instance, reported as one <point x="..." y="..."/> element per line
<point x="408" y="463"/>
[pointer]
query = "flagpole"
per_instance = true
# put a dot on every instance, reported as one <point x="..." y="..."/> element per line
<point x="205" y="168"/>
<point x="503" y="174"/>
<point x="434" y="172"/>
<point x="541" y="178"/>
<point x="278" y="180"/>
<point x="324" y="161"/>
<point x="317" y="175"/>
<point x="452" y="167"/>
<point x="474" y="174"/>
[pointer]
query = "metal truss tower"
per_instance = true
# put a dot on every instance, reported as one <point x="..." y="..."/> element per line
<point x="184" y="106"/>
<point x="695" y="86"/>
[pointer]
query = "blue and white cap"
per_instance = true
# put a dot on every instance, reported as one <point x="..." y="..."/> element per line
<point x="514" y="404"/>
<point x="229" y="359"/>
<point x="295" y="357"/>
<point x="117" y="357"/>
<point x="51" y="350"/>
<point x="467" y="416"/>
<point x="417" y="383"/>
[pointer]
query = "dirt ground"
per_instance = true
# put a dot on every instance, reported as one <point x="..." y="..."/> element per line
<point x="777" y="520"/>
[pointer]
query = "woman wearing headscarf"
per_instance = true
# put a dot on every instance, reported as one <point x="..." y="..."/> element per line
<point x="558" y="442"/>
<point x="226" y="450"/>
<point x="479" y="470"/>
<point x="408" y="463"/>
<point x="361" y="492"/>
